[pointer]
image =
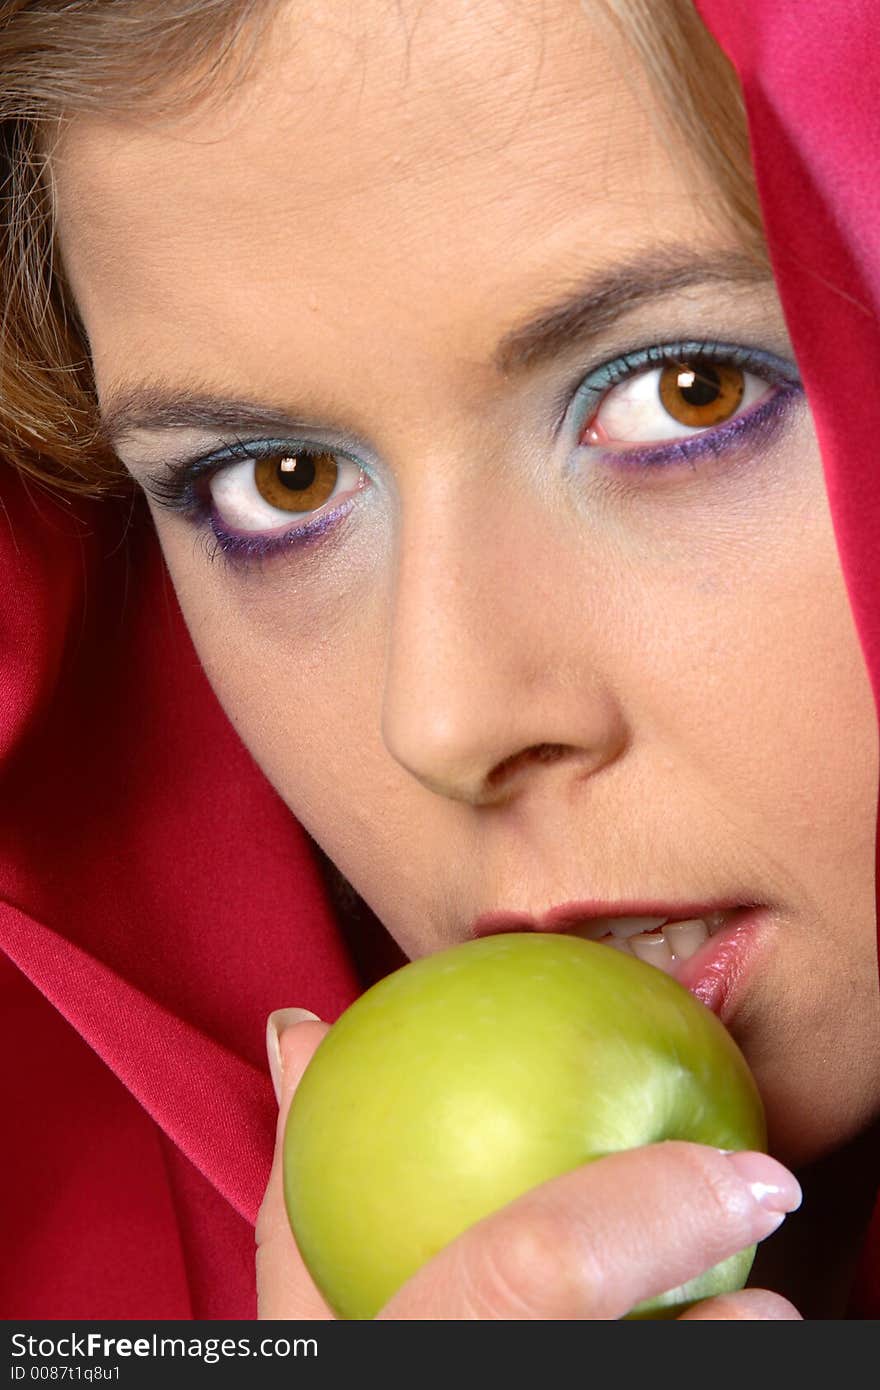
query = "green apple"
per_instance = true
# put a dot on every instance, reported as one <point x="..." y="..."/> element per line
<point x="467" y="1077"/>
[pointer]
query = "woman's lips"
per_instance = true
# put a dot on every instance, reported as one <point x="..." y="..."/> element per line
<point x="566" y="916"/>
<point x="717" y="973"/>
<point x="714" y="967"/>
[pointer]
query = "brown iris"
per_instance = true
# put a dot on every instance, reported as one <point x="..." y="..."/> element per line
<point x="701" y="393"/>
<point x="296" y="482"/>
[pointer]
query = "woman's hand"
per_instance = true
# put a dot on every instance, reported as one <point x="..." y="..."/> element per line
<point x="590" y="1244"/>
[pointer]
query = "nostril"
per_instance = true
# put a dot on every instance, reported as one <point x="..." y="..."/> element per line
<point x="540" y="753"/>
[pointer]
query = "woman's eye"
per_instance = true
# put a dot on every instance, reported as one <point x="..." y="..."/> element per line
<point x="673" y="401"/>
<point x="272" y="489"/>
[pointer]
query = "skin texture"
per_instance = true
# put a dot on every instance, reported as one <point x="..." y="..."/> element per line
<point x="348" y="238"/>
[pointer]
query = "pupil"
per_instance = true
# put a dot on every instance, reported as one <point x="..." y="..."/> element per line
<point x="298" y="477"/>
<point x="704" y="387"/>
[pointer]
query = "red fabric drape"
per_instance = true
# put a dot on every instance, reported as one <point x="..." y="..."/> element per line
<point x="811" y="78"/>
<point x="157" y="900"/>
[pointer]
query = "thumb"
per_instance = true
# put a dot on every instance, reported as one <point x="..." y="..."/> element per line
<point x="284" y="1286"/>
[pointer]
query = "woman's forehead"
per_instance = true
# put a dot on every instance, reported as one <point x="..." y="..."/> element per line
<point x="522" y="114"/>
<point x="458" y="152"/>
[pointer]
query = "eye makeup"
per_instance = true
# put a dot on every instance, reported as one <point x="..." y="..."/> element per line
<point x="185" y="485"/>
<point x="757" y="423"/>
<point x="248" y="549"/>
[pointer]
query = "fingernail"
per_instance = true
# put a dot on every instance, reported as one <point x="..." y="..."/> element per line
<point x="772" y="1186"/>
<point x="276" y="1023"/>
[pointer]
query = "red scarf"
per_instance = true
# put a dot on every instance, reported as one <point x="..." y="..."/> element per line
<point x="811" y="78"/>
<point x="157" y="899"/>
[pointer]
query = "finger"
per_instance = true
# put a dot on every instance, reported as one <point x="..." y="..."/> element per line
<point x="284" y="1287"/>
<point x="598" y="1240"/>
<point x="749" y="1305"/>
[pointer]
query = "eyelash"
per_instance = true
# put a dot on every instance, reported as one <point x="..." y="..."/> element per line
<point x="763" y="416"/>
<point x="185" y="486"/>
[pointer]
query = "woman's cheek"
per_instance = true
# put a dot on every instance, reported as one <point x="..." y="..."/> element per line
<point x="288" y="621"/>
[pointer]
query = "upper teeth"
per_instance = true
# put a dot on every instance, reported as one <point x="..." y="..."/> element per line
<point x="628" y="926"/>
<point x="638" y="936"/>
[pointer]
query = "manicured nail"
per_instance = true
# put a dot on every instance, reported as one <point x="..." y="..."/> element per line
<point x="772" y="1186"/>
<point x="276" y="1023"/>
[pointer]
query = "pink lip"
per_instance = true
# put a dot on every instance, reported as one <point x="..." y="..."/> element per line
<point x="714" y="974"/>
<point x="566" y="915"/>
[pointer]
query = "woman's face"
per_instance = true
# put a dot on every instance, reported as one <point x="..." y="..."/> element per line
<point x="504" y="626"/>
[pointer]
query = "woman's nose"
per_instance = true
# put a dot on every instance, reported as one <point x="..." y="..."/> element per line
<point x="496" y="676"/>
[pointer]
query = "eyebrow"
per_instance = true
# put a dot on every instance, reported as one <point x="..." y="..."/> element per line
<point x="582" y="314"/>
<point x="595" y="306"/>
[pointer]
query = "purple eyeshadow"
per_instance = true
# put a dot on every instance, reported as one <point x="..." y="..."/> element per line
<point x="243" y="550"/>
<point x="764" y="419"/>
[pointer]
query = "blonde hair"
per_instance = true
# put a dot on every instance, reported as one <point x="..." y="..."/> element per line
<point x="60" y="58"/>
